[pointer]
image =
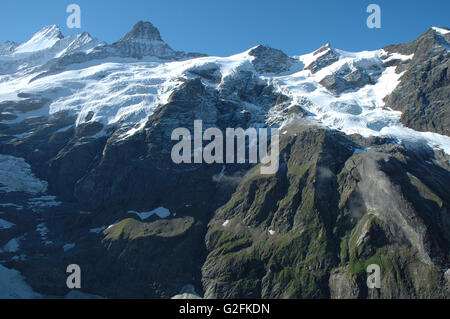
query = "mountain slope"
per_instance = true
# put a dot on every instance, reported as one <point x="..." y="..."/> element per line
<point x="311" y="230"/>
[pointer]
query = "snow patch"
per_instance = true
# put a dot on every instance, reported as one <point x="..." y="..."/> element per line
<point x="5" y="224"/>
<point x="21" y="257"/>
<point x="68" y="247"/>
<point x="441" y="30"/>
<point x="359" y="151"/>
<point x="13" y="285"/>
<point x="160" y="211"/>
<point x="12" y="246"/>
<point x="97" y="230"/>
<point x="16" y="176"/>
<point x="38" y="204"/>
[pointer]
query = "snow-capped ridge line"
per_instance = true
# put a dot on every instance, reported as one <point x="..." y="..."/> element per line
<point x="120" y="84"/>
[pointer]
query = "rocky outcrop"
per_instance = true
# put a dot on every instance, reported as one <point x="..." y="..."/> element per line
<point x="346" y="78"/>
<point x="326" y="56"/>
<point x="269" y="60"/>
<point x="423" y="95"/>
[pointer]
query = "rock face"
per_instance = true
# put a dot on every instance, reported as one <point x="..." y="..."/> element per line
<point x="343" y="285"/>
<point x="423" y="96"/>
<point x="326" y="56"/>
<point x="269" y="60"/>
<point x="346" y="79"/>
<point x="89" y="184"/>
<point x="143" y="31"/>
<point x="351" y="77"/>
<point x="145" y="40"/>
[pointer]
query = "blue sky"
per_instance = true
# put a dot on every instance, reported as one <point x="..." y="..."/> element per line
<point x="230" y="26"/>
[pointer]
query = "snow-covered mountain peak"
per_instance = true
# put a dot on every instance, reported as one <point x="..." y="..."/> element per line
<point x="44" y="39"/>
<point x="319" y="59"/>
<point x="45" y="46"/>
<point x="78" y="42"/>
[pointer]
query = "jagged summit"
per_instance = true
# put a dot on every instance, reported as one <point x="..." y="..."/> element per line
<point x="43" y="39"/>
<point x="51" y="31"/>
<point x="44" y="47"/>
<point x="321" y="58"/>
<point x="143" y="40"/>
<point x="48" y="44"/>
<point x="143" y="31"/>
<point x="323" y="48"/>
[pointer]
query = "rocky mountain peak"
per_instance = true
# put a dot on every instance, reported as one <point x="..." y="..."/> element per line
<point x="424" y="43"/>
<point x="269" y="60"/>
<point x="145" y="40"/>
<point x="323" y="48"/>
<point x="143" y="31"/>
<point x="324" y="56"/>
